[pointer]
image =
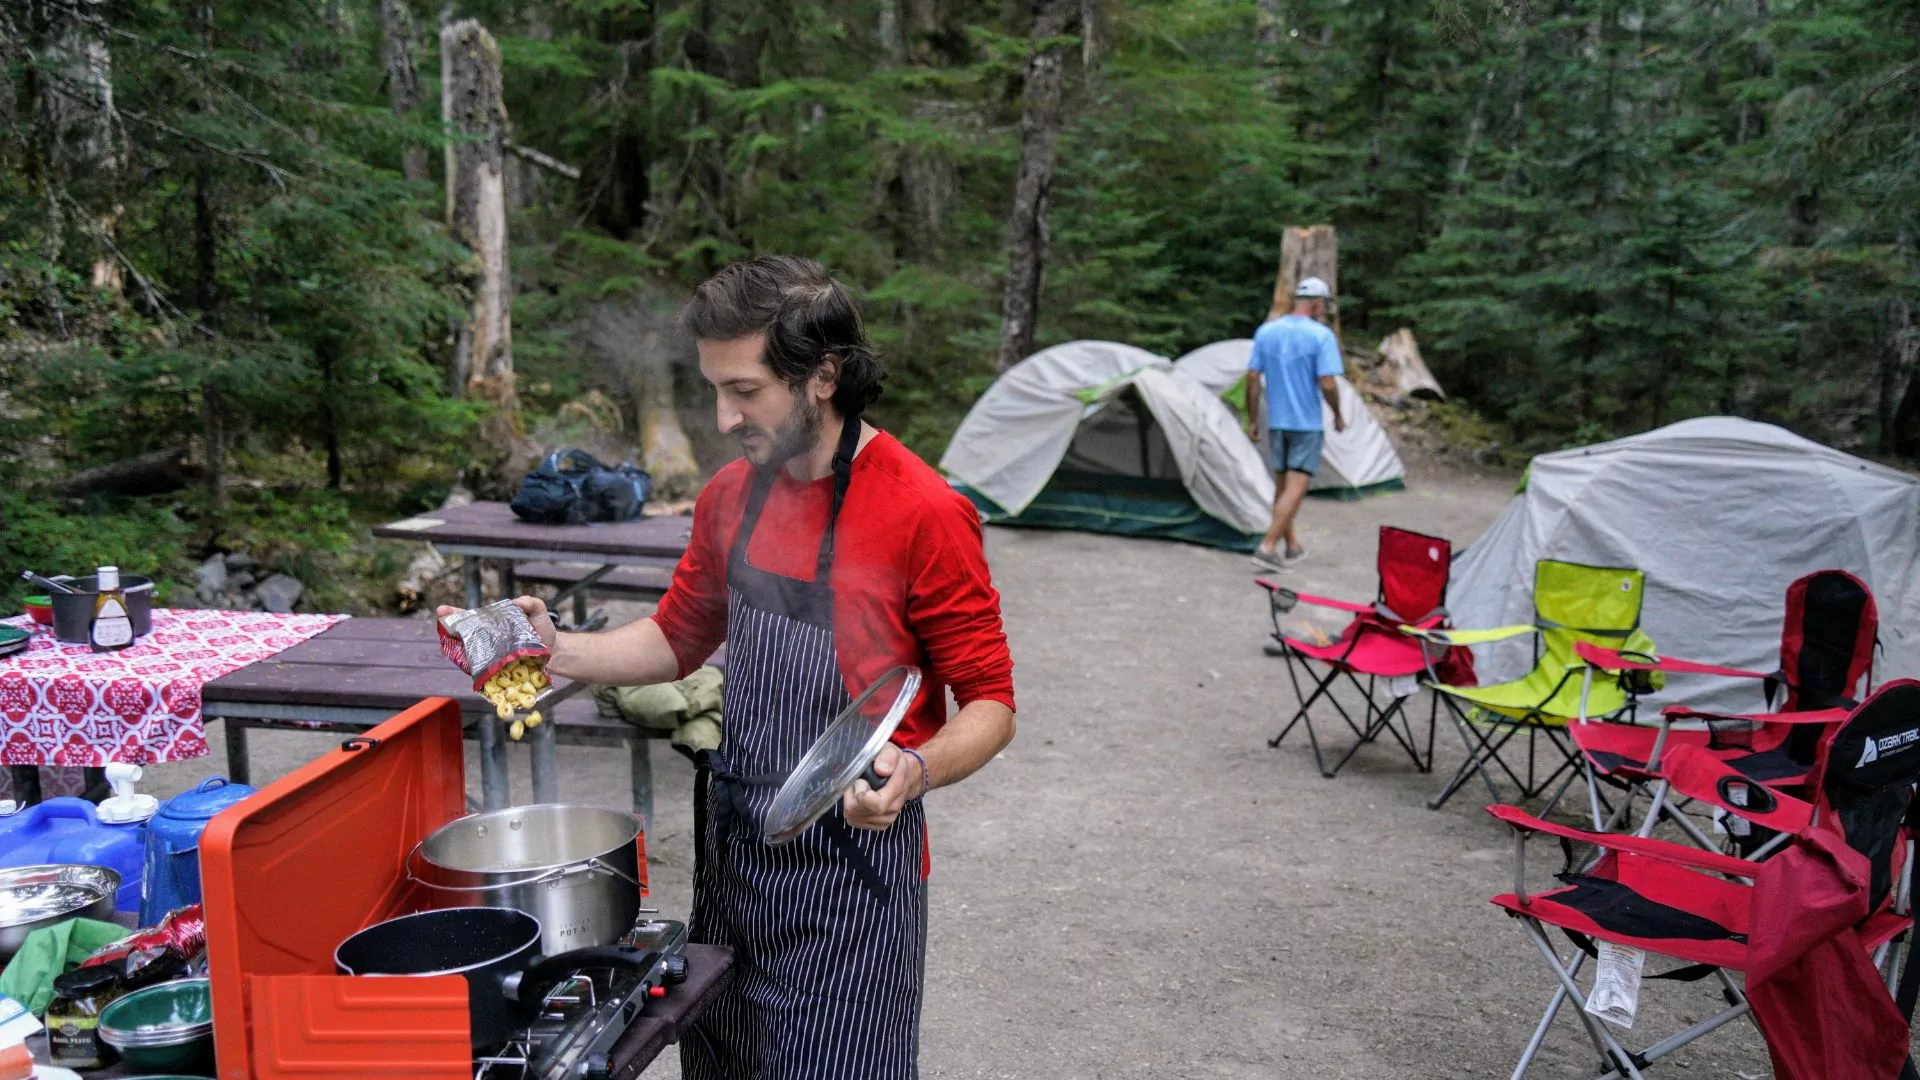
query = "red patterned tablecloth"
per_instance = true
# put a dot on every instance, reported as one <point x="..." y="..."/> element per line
<point x="68" y="705"/>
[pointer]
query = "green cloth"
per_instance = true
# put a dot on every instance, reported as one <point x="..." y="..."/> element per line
<point x="51" y="951"/>
<point x="689" y="708"/>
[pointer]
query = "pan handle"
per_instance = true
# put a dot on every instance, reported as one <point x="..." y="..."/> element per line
<point x="544" y="875"/>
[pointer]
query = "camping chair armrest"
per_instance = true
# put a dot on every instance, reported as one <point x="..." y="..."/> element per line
<point x="1629" y="660"/>
<point x="1280" y="594"/>
<point x="1467" y="637"/>
<point x="1811" y="716"/>
<point x="1666" y="851"/>
<point x="1697" y="774"/>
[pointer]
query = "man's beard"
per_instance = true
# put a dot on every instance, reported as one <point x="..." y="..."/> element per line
<point x="798" y="433"/>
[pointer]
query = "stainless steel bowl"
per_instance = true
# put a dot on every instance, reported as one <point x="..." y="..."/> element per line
<point x="35" y="896"/>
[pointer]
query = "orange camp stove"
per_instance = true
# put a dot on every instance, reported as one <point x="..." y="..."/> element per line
<point x="320" y="855"/>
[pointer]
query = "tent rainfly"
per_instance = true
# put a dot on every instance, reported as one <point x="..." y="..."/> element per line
<point x="1722" y="514"/>
<point x="1106" y="437"/>
<point x="1355" y="462"/>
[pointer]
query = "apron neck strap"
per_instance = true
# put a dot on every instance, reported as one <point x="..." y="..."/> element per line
<point x="842" y="478"/>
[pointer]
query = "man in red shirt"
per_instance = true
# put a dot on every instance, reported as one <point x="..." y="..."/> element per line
<point x="826" y="557"/>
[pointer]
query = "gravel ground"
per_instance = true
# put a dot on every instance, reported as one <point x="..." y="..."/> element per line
<point x="1140" y="887"/>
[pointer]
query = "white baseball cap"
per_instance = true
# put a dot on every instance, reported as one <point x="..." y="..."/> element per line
<point x="1312" y="289"/>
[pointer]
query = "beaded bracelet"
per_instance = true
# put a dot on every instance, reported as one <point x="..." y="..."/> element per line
<point x="926" y="778"/>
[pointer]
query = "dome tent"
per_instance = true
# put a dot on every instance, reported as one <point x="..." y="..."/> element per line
<point x="1355" y="462"/>
<point x="1721" y="514"/>
<point x="1106" y="437"/>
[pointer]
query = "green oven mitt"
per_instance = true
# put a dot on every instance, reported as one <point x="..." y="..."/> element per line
<point x="49" y="952"/>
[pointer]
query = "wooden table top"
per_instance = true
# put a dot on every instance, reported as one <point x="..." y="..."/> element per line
<point x="493" y="525"/>
<point x="386" y="664"/>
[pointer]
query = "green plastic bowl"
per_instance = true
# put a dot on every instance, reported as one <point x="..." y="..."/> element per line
<point x="169" y="1027"/>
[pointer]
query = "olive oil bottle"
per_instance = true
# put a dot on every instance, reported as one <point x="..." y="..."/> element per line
<point x="112" y="627"/>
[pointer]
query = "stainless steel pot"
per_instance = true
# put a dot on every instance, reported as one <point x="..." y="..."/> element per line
<point x="575" y="868"/>
<point x="73" y="611"/>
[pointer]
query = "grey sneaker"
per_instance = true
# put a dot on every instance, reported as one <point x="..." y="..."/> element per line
<point x="1269" y="560"/>
<point x="1293" y="558"/>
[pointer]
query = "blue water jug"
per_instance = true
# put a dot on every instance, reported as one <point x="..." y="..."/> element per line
<point x="172" y="872"/>
<point x="73" y="830"/>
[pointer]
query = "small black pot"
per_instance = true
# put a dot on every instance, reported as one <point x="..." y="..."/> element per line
<point x="497" y="950"/>
<point x="72" y="612"/>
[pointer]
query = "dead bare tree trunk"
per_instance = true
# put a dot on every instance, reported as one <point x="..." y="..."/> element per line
<point x="1313" y="251"/>
<point x="1897" y="358"/>
<point x="403" y="88"/>
<point x="206" y="297"/>
<point x="1267" y="34"/>
<point x="482" y="362"/>
<point x="472" y="107"/>
<point x="665" y="451"/>
<point x="635" y="337"/>
<point x="1039" y="142"/>
<point x="79" y="108"/>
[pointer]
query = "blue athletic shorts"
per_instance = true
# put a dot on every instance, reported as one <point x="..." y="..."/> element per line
<point x="1294" y="451"/>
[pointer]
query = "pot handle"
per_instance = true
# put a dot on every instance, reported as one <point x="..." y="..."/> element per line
<point x="543" y="971"/>
<point x="544" y="875"/>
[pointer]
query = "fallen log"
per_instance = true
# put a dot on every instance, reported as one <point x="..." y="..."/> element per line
<point x="154" y="473"/>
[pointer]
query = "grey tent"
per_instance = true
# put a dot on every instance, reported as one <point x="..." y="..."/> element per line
<point x="1721" y="514"/>
<point x="1107" y="437"/>
<point x="1358" y="461"/>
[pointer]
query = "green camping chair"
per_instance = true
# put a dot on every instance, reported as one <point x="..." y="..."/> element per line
<point x="1571" y="603"/>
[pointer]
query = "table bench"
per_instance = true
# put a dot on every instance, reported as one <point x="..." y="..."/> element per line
<point x="575" y="581"/>
<point x="361" y="672"/>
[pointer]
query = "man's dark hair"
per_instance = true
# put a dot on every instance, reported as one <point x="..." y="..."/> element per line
<point x="805" y="314"/>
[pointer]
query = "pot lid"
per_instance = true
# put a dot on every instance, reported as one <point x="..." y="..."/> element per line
<point x="214" y="794"/>
<point x="841" y="754"/>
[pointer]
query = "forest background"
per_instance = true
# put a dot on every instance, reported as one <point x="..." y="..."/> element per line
<point x="224" y="240"/>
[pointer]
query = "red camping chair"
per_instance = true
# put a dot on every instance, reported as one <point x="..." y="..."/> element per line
<point x="1698" y="906"/>
<point x="1413" y="591"/>
<point x="1826" y="650"/>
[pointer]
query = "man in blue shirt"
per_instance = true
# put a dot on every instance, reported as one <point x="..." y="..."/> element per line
<point x="1291" y="370"/>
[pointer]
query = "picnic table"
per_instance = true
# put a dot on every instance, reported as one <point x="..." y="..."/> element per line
<point x="357" y="675"/>
<point x="66" y="705"/>
<point x="489" y="530"/>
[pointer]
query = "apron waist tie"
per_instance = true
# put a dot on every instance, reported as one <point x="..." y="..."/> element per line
<point x="731" y="809"/>
<point x="841" y="835"/>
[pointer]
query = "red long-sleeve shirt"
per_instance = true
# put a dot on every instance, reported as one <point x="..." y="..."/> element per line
<point x="909" y="577"/>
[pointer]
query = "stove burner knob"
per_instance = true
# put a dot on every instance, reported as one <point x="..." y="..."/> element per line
<point x="675" y="969"/>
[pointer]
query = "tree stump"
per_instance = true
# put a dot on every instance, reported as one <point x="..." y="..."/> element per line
<point x="1401" y="356"/>
<point x="1313" y="251"/>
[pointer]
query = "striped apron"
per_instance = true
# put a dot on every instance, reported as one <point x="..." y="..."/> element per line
<point x="828" y="930"/>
